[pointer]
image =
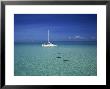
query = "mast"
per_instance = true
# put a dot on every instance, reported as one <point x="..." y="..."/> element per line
<point x="48" y="36"/>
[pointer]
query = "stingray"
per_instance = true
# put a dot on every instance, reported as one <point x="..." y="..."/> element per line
<point x="58" y="57"/>
<point x="65" y="60"/>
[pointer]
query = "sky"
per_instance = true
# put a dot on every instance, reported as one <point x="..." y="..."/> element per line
<point x="63" y="27"/>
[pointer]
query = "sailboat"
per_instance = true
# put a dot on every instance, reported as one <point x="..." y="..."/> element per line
<point x="49" y="44"/>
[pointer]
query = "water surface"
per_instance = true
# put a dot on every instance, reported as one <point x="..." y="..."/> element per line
<point x="67" y="59"/>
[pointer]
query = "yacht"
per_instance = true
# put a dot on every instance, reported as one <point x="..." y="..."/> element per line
<point x="48" y="44"/>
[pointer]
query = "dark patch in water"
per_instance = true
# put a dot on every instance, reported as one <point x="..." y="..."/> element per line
<point x="65" y="60"/>
<point x="58" y="53"/>
<point x="58" y="57"/>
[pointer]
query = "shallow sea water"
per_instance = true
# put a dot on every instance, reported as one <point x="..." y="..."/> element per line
<point x="63" y="60"/>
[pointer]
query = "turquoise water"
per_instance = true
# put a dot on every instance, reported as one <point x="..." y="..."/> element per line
<point x="67" y="59"/>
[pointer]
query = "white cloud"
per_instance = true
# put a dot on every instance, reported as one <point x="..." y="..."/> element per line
<point x="76" y="37"/>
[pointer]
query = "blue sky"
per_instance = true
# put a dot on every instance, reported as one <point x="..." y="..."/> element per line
<point x="63" y="27"/>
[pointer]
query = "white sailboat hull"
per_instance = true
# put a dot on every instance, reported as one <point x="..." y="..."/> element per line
<point x="48" y="45"/>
